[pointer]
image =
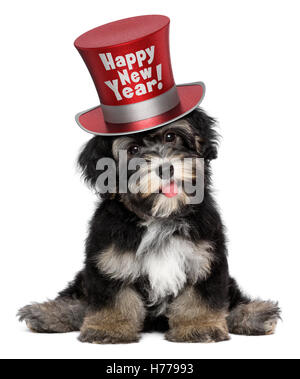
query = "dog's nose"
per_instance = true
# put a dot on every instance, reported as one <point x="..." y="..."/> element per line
<point x="166" y="171"/>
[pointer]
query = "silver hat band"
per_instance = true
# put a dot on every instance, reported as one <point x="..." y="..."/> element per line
<point x="122" y="114"/>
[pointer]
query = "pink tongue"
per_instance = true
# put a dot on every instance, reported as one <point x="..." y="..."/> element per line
<point x="170" y="190"/>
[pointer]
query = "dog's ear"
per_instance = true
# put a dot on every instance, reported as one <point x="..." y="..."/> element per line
<point x="95" y="149"/>
<point x="206" y="136"/>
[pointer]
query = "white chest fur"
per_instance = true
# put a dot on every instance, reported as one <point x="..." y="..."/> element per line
<point x="167" y="260"/>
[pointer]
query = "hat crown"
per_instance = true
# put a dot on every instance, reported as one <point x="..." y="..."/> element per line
<point x="129" y="60"/>
<point x="121" y="31"/>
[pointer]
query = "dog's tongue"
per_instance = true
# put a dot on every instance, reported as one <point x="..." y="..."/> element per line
<point x="170" y="190"/>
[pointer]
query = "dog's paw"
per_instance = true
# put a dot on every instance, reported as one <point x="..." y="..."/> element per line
<point x="35" y="318"/>
<point x="58" y="316"/>
<point x="257" y="318"/>
<point x="197" y="335"/>
<point x="101" y="336"/>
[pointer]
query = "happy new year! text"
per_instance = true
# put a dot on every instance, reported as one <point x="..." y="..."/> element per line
<point x="131" y="83"/>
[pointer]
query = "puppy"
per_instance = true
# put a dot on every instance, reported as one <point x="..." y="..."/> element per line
<point x="156" y="259"/>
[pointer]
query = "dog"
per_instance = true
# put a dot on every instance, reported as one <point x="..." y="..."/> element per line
<point x="155" y="259"/>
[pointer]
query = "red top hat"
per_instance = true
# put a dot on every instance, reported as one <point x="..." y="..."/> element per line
<point x="129" y="61"/>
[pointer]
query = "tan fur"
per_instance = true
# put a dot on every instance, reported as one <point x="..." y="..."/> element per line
<point x="191" y="320"/>
<point x="122" y="143"/>
<point x="30" y="327"/>
<point x="119" y="323"/>
<point x="205" y="250"/>
<point x="119" y="265"/>
<point x="164" y="207"/>
<point x="199" y="142"/>
<point x="255" y="318"/>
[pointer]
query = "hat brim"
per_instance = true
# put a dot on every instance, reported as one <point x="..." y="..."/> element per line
<point x="92" y="120"/>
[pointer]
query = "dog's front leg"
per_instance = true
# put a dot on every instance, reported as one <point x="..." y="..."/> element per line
<point x="120" y="322"/>
<point x="192" y="319"/>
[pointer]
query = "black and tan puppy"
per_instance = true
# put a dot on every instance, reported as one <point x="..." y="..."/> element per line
<point x="155" y="260"/>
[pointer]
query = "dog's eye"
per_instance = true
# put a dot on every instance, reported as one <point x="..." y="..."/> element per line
<point x="170" y="137"/>
<point x="133" y="150"/>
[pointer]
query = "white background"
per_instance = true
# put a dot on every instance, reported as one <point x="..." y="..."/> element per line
<point x="247" y="53"/>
